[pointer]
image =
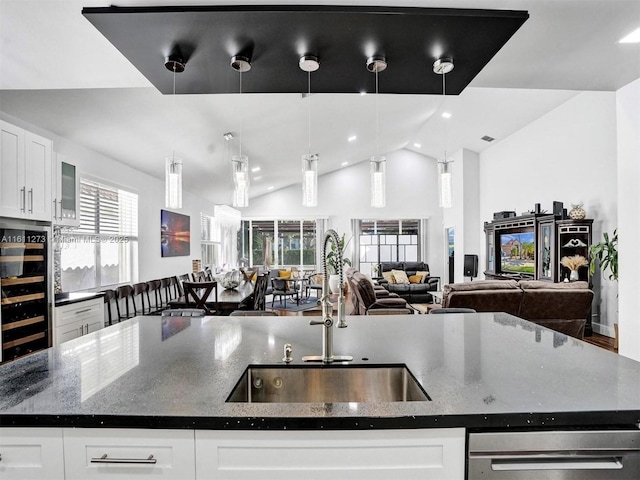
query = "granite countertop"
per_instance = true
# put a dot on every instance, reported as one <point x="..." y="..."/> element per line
<point x="481" y="371"/>
<point x="75" y="297"/>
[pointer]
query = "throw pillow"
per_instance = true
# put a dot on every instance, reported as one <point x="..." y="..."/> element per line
<point x="415" y="278"/>
<point x="284" y="273"/>
<point x="388" y="276"/>
<point x="253" y="276"/>
<point x="400" y="276"/>
<point x="425" y="275"/>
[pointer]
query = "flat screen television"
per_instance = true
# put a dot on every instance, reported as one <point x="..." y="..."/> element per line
<point x="517" y="251"/>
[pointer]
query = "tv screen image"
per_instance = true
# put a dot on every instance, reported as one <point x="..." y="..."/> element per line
<point x="517" y="252"/>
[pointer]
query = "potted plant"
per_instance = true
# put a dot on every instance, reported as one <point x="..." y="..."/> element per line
<point x="332" y="264"/>
<point x="606" y="255"/>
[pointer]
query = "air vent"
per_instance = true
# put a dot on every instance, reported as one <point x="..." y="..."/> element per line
<point x="487" y="138"/>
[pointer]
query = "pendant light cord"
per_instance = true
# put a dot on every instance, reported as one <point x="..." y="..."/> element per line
<point x="444" y="99"/>
<point x="309" y="108"/>
<point x="173" y="118"/>
<point x="240" y="139"/>
<point x="377" y="117"/>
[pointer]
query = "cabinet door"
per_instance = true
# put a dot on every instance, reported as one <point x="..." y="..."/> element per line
<point x="374" y="455"/>
<point x="76" y="319"/>
<point x="67" y="332"/>
<point x="94" y="453"/>
<point x="12" y="182"/>
<point x="38" y="176"/>
<point x="66" y="192"/>
<point x="29" y="453"/>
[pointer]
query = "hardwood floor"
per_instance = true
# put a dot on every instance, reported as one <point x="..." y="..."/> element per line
<point x="601" y="341"/>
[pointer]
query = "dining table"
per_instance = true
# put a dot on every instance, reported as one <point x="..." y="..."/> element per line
<point x="228" y="299"/>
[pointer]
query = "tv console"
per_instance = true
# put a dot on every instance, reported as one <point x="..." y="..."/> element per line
<point x="531" y="246"/>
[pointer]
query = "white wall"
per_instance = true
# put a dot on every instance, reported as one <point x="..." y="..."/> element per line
<point x="628" y="121"/>
<point x="464" y="215"/>
<point x="568" y="155"/>
<point x="412" y="192"/>
<point x="150" y="192"/>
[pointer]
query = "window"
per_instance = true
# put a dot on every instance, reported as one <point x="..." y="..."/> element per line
<point x="218" y="238"/>
<point x="103" y="250"/>
<point x="387" y="241"/>
<point x="295" y="244"/>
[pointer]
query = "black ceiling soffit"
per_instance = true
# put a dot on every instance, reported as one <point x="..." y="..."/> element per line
<point x="274" y="38"/>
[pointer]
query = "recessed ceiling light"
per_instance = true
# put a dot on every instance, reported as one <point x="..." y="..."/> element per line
<point x="255" y="169"/>
<point x="270" y="188"/>
<point x="446" y="114"/>
<point x="633" y="37"/>
<point x="417" y="145"/>
<point x="344" y="164"/>
<point x="257" y="178"/>
<point x="351" y="138"/>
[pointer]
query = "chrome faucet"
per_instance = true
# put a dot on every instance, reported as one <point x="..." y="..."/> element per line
<point x="327" y="307"/>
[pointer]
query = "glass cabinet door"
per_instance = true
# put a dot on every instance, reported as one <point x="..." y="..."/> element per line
<point x="545" y="241"/>
<point x="68" y="192"/>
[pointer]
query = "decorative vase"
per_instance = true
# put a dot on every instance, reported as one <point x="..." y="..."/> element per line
<point x="334" y="283"/>
<point x="577" y="212"/>
<point x="231" y="279"/>
<point x="573" y="276"/>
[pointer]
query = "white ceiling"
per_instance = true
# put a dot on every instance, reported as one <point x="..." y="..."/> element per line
<point x="58" y="72"/>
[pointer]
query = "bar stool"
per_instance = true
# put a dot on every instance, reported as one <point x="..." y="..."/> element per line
<point x="125" y="292"/>
<point x="109" y="295"/>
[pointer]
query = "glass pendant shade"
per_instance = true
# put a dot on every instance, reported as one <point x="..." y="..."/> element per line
<point x="378" y="181"/>
<point x="173" y="183"/>
<point x="240" y="166"/>
<point x="445" y="185"/>
<point x="310" y="180"/>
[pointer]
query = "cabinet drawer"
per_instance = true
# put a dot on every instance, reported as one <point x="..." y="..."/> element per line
<point x="82" y="312"/>
<point x="29" y="453"/>
<point x="125" y="453"/>
<point x="320" y="455"/>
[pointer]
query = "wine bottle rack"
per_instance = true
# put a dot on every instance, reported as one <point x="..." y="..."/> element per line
<point x="23" y="285"/>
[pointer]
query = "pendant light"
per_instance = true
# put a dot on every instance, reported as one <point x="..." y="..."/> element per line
<point x="309" y="63"/>
<point x="240" y="162"/>
<point x="442" y="66"/>
<point x="173" y="164"/>
<point x="378" y="163"/>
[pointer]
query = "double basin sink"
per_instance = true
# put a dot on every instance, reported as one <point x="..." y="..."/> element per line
<point x="327" y="384"/>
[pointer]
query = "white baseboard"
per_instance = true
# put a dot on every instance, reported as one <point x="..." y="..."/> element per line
<point x="605" y="330"/>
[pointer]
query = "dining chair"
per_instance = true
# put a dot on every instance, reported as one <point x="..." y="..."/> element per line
<point x="256" y="301"/>
<point x="280" y="289"/>
<point x="109" y="296"/>
<point x="183" y="312"/>
<point x="314" y="282"/>
<point x="196" y="294"/>
<point x="125" y="292"/>
<point x="153" y="291"/>
<point x="140" y="290"/>
<point x="437" y="311"/>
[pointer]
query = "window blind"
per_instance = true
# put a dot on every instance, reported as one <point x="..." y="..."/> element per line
<point x="106" y="210"/>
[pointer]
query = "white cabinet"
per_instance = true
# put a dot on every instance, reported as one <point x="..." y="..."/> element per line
<point x="25" y="174"/>
<point x="345" y="454"/>
<point x="102" y="453"/>
<point x="66" y="192"/>
<point x="77" y="319"/>
<point x="29" y="453"/>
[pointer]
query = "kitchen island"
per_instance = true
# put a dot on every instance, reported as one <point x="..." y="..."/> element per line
<point x="482" y="371"/>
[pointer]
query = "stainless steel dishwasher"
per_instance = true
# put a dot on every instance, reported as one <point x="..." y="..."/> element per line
<point x="555" y="455"/>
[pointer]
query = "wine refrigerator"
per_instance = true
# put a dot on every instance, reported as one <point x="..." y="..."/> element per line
<point x="24" y="288"/>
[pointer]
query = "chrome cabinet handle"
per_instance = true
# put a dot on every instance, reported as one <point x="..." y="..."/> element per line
<point x="584" y="463"/>
<point x="31" y="200"/>
<point x="82" y="311"/>
<point x="60" y="202"/>
<point x="105" y="459"/>
<point x="23" y="205"/>
<point x="55" y="209"/>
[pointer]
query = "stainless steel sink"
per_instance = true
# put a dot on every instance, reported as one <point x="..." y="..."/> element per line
<point x="327" y="384"/>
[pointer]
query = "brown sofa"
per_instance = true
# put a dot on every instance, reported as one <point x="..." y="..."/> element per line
<point x="563" y="307"/>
